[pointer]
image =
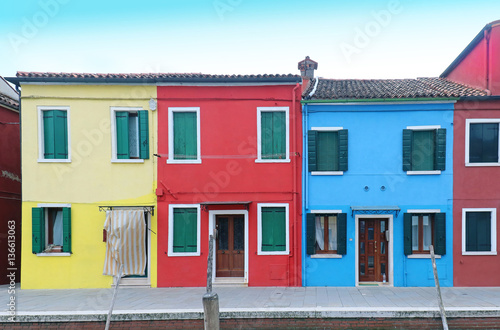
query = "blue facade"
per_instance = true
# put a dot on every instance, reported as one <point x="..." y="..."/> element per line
<point x="375" y="180"/>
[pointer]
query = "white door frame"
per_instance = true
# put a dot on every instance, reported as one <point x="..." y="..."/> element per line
<point x="390" y="217"/>
<point x="211" y="230"/>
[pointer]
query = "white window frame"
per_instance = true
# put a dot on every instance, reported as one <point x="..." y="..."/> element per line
<point x="467" y="139"/>
<point x="423" y="211"/>
<point x="171" y="159"/>
<point x="259" y="134"/>
<point x="327" y="129"/>
<point x="493" y="231"/>
<point x="40" y="110"/>
<point x="259" y="229"/>
<point x="424" y="128"/>
<point x="171" y="252"/>
<point x="114" y="158"/>
<point x="45" y="214"/>
<point x="326" y="255"/>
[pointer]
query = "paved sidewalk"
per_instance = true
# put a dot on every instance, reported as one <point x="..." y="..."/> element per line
<point x="254" y="302"/>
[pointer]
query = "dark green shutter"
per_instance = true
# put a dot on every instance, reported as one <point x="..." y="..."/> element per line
<point x="48" y="135"/>
<point x="38" y="229"/>
<point x="185" y="230"/>
<point x="143" y="134"/>
<point x="279" y="135"/>
<point x="312" y="137"/>
<point x="441" y="149"/>
<point x="185" y="135"/>
<point x="66" y="229"/>
<point x="407" y="234"/>
<point x="343" y="150"/>
<point x="61" y="134"/>
<point x="266" y="126"/>
<point x="273" y="229"/>
<point x="478" y="231"/>
<point x="311" y="233"/>
<point x="440" y="233"/>
<point x="342" y="233"/>
<point x="407" y="142"/>
<point x="122" y="142"/>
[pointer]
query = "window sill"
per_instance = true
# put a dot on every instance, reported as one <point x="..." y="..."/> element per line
<point x="259" y="160"/>
<point x="423" y="172"/>
<point x="326" y="256"/>
<point x="54" y="160"/>
<point x="181" y="254"/>
<point x="276" y="253"/>
<point x="327" y="173"/>
<point x="132" y="161"/>
<point x="179" y="161"/>
<point x="481" y="164"/>
<point x="422" y="256"/>
<point x="480" y="253"/>
<point x="53" y="254"/>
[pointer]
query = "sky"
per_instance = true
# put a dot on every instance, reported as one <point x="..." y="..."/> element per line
<point x="349" y="39"/>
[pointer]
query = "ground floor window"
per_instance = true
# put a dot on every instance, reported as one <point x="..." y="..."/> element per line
<point x="479" y="231"/>
<point x="184" y="230"/>
<point x="273" y="229"/>
<point x="421" y="230"/>
<point x="326" y="233"/>
<point x="51" y="229"/>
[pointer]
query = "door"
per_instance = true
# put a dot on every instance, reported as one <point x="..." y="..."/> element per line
<point x="230" y="246"/>
<point x="373" y="250"/>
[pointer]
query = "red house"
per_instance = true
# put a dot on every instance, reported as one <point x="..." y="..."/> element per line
<point x="10" y="185"/>
<point x="476" y="162"/>
<point x="230" y="166"/>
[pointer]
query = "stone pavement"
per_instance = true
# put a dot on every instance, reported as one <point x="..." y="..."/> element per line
<point x="249" y="302"/>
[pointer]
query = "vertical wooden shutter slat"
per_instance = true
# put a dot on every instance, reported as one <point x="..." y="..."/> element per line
<point x="311" y="233"/>
<point x="407" y="142"/>
<point x="122" y="139"/>
<point x="143" y="134"/>
<point x="407" y="234"/>
<point x="441" y="149"/>
<point x="38" y="229"/>
<point x="440" y="233"/>
<point x="343" y="150"/>
<point x="342" y="233"/>
<point x="49" y="143"/>
<point x="61" y="134"/>
<point x="312" y="137"/>
<point x="66" y="229"/>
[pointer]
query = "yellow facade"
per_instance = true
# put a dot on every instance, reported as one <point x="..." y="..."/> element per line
<point x="88" y="181"/>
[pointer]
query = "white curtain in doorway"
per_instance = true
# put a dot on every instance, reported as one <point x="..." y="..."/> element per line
<point x="126" y="230"/>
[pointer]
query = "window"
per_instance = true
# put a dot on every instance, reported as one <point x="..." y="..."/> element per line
<point x="272" y="134"/>
<point x="326" y="233"/>
<point x="131" y="134"/>
<point x="51" y="229"/>
<point x="184" y="230"/>
<point x="327" y="150"/>
<point x="421" y="230"/>
<point x="53" y="134"/>
<point x="481" y="145"/>
<point x="479" y="231"/>
<point x="424" y="149"/>
<point x="273" y="229"/>
<point x="184" y="135"/>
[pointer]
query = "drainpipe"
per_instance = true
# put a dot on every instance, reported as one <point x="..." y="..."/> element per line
<point x="304" y="185"/>
<point x="487" y="34"/>
<point x="295" y="208"/>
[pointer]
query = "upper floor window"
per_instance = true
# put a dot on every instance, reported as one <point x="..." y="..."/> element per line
<point x="272" y="134"/>
<point x="481" y="145"/>
<point x="424" y="149"/>
<point x="184" y="135"/>
<point x="53" y="134"/>
<point x="130" y="138"/>
<point x="327" y="150"/>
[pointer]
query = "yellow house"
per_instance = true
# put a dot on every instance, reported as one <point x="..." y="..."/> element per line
<point x="87" y="148"/>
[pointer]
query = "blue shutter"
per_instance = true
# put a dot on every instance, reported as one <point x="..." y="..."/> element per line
<point x="143" y="134"/>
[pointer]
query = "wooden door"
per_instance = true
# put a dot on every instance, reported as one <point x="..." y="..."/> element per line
<point x="230" y="246"/>
<point x="373" y="250"/>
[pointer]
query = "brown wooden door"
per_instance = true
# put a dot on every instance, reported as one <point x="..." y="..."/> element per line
<point x="373" y="250"/>
<point x="230" y="247"/>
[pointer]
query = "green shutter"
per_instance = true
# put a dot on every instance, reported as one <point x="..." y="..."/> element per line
<point x="38" y="229"/>
<point x="61" y="134"/>
<point x="273" y="229"/>
<point x="185" y="135"/>
<point x="48" y="134"/>
<point x="342" y="233"/>
<point x="407" y="234"/>
<point x="185" y="230"/>
<point x="143" y="134"/>
<point x="407" y="142"/>
<point x="312" y="137"/>
<point x="266" y="127"/>
<point x="441" y="149"/>
<point x="311" y="233"/>
<point x="440" y="233"/>
<point x="471" y="231"/>
<point x="279" y="135"/>
<point x="343" y="150"/>
<point x="66" y="229"/>
<point x="122" y="143"/>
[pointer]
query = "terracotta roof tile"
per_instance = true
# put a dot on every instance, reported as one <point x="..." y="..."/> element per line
<point x="7" y="101"/>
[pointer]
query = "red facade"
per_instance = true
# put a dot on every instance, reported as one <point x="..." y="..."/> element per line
<point x="228" y="180"/>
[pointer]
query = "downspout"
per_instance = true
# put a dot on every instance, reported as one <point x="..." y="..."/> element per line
<point x="304" y="186"/>
<point x="487" y="34"/>
<point x="294" y="165"/>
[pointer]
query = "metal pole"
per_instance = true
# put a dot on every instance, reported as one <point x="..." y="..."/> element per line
<point x="108" y="320"/>
<point x="210" y="299"/>
<point x="436" y="280"/>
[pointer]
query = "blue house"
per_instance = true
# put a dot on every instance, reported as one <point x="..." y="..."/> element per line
<point x="378" y="181"/>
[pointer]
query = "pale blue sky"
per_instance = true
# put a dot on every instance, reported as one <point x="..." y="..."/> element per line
<point x="349" y="39"/>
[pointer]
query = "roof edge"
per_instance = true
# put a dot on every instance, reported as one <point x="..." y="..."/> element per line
<point x="415" y="99"/>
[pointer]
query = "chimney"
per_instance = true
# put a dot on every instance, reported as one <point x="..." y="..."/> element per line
<point x="307" y="67"/>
